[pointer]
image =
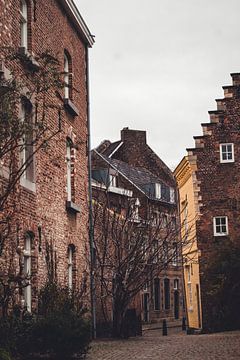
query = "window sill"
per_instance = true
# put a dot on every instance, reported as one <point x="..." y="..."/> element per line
<point x="72" y="207"/>
<point x="28" y="59"/>
<point x="29" y="185"/>
<point x="70" y="107"/>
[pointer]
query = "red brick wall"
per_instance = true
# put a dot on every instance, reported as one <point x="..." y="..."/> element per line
<point x="219" y="183"/>
<point x="52" y="30"/>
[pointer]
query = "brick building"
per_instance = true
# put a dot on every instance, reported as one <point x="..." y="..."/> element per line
<point x="52" y="194"/>
<point x="208" y="181"/>
<point x="131" y="173"/>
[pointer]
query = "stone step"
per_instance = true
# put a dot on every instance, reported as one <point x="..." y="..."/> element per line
<point x="216" y="116"/>
<point x="235" y="78"/>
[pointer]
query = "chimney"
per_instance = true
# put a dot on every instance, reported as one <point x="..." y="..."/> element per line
<point x="129" y="136"/>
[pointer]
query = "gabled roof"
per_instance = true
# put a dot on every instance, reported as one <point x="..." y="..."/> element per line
<point x="75" y="16"/>
<point x="139" y="177"/>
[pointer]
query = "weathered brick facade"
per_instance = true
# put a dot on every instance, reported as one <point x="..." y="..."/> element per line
<point x="136" y="166"/>
<point x="214" y="169"/>
<point x="54" y="26"/>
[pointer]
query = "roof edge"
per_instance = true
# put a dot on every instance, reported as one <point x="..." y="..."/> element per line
<point x="75" y="16"/>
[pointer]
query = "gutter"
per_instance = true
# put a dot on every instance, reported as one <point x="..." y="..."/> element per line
<point x="76" y="18"/>
<point x="91" y="227"/>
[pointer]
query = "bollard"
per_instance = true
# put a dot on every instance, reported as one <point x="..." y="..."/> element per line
<point x="183" y="323"/>
<point x="164" y="328"/>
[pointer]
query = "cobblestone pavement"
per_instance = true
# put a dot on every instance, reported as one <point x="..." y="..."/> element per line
<point x="154" y="346"/>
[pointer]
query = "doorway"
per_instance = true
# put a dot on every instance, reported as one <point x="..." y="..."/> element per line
<point x="176" y="304"/>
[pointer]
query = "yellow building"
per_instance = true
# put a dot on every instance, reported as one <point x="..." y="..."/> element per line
<point x="189" y="213"/>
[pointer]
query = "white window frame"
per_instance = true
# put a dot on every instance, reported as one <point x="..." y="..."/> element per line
<point x="70" y="267"/>
<point x="221" y="233"/>
<point x="226" y="152"/>
<point x="25" y="180"/>
<point x="172" y="195"/>
<point x="24" y="24"/>
<point x="27" y="272"/>
<point x="158" y="193"/>
<point x="69" y="172"/>
<point x="113" y="180"/>
<point x="66" y="76"/>
<point x="175" y="284"/>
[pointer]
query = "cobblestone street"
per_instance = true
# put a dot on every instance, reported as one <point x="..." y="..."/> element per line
<point x="177" y="346"/>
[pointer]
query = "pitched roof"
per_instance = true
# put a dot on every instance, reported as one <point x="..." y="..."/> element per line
<point x="140" y="177"/>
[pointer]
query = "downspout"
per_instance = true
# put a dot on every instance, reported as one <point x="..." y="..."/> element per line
<point x="182" y="262"/>
<point x="91" y="229"/>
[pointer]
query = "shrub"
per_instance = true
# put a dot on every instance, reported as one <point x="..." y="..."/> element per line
<point x="4" y="355"/>
<point x="60" y="330"/>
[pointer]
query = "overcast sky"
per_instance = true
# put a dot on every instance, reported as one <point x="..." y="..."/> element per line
<point x="159" y="65"/>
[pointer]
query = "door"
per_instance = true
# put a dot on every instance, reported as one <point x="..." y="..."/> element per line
<point x="198" y="306"/>
<point x="146" y="307"/>
<point x="176" y="304"/>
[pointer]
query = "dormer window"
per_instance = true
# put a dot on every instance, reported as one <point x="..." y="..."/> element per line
<point x="24" y="24"/>
<point x="226" y="153"/>
<point x="158" y="191"/>
<point x="112" y="180"/>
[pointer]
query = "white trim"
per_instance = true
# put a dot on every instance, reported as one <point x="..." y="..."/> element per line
<point x="215" y="226"/>
<point x="66" y="76"/>
<point x="221" y="153"/>
<point x="78" y="21"/>
<point x="27" y="272"/>
<point x="158" y="191"/>
<point x="24" y="24"/>
<point x="119" y="145"/>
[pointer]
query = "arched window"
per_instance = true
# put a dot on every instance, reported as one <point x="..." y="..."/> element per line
<point x="27" y="271"/>
<point x="24" y="23"/>
<point x="67" y="76"/>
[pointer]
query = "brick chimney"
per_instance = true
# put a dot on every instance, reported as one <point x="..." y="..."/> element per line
<point x="129" y="136"/>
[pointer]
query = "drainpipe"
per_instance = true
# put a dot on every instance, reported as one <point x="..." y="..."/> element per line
<point x="91" y="229"/>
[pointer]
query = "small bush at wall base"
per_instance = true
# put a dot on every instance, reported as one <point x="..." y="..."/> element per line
<point x="4" y="355"/>
<point x="61" y="332"/>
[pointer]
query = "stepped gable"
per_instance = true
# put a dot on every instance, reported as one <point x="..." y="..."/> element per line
<point x="227" y="108"/>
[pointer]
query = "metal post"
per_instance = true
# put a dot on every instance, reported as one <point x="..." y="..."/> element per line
<point x="91" y="229"/>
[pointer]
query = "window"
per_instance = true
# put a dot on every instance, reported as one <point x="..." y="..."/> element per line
<point x="24" y="23"/>
<point x="172" y="195"/>
<point x="27" y="272"/>
<point x="157" y="294"/>
<point x="165" y="252"/>
<point x="189" y="284"/>
<point x="70" y="158"/>
<point x="27" y="160"/>
<point x="113" y="180"/>
<point x="175" y="255"/>
<point x="135" y="209"/>
<point x="155" y="251"/>
<point x="167" y="294"/>
<point x="145" y="286"/>
<point x="226" y="153"/>
<point x="220" y="225"/>
<point x="176" y="284"/>
<point x="67" y="76"/>
<point x="158" y="191"/>
<point x="70" y="266"/>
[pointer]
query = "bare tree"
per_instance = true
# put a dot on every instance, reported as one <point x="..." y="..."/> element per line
<point x="26" y="126"/>
<point x="130" y="251"/>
